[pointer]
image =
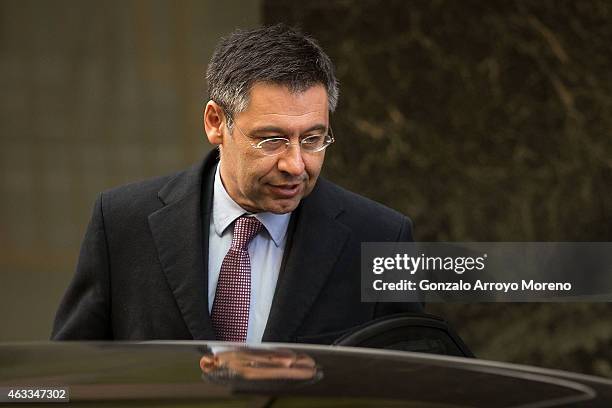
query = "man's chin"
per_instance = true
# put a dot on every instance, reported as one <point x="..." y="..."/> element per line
<point x="273" y="205"/>
<point x="283" y="206"/>
<point x="283" y="202"/>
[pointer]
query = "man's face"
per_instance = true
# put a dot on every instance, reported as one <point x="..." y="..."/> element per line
<point x="274" y="183"/>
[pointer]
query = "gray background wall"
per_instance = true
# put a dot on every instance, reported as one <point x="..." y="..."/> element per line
<point x="94" y="94"/>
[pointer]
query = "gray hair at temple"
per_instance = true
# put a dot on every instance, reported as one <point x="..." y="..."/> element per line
<point x="275" y="54"/>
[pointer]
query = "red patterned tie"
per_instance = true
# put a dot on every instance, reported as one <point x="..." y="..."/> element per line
<point x="230" y="311"/>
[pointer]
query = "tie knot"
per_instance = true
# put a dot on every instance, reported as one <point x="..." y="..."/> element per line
<point x="245" y="229"/>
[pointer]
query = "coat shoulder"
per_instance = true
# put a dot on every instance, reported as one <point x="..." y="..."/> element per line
<point x="136" y="197"/>
<point x="154" y="192"/>
<point x="364" y="214"/>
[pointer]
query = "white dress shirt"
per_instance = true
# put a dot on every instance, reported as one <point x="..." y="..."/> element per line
<point x="265" y="250"/>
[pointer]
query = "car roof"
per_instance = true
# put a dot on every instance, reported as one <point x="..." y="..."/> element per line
<point x="174" y="372"/>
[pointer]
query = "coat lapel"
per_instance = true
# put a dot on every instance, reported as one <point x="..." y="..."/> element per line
<point x="182" y="246"/>
<point x="316" y="244"/>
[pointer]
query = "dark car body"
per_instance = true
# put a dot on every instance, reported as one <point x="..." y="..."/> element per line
<point x="285" y="375"/>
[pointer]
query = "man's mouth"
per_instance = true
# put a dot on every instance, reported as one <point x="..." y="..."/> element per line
<point x="286" y="190"/>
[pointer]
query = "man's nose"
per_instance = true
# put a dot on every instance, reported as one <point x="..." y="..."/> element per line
<point x="291" y="161"/>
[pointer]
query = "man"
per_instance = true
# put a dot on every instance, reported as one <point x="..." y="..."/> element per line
<point x="251" y="244"/>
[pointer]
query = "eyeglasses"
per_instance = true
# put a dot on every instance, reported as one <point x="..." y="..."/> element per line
<point x="276" y="145"/>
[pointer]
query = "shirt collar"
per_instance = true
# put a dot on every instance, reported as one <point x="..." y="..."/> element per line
<point x="226" y="210"/>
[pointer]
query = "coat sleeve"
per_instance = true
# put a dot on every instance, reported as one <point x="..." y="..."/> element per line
<point x="84" y="312"/>
<point x="389" y="308"/>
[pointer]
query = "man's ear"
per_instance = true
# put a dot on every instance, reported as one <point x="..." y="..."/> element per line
<point x="214" y="120"/>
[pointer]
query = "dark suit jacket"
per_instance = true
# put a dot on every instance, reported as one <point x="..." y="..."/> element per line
<point x="143" y="268"/>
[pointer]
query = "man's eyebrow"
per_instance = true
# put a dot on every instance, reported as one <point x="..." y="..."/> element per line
<point x="275" y="129"/>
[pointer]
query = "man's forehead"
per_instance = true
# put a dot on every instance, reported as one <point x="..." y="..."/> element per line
<point x="278" y="100"/>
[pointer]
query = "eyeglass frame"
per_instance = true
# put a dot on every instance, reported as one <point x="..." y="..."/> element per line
<point x="287" y="141"/>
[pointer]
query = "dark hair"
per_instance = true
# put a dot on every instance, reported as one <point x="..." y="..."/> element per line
<point x="275" y="54"/>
